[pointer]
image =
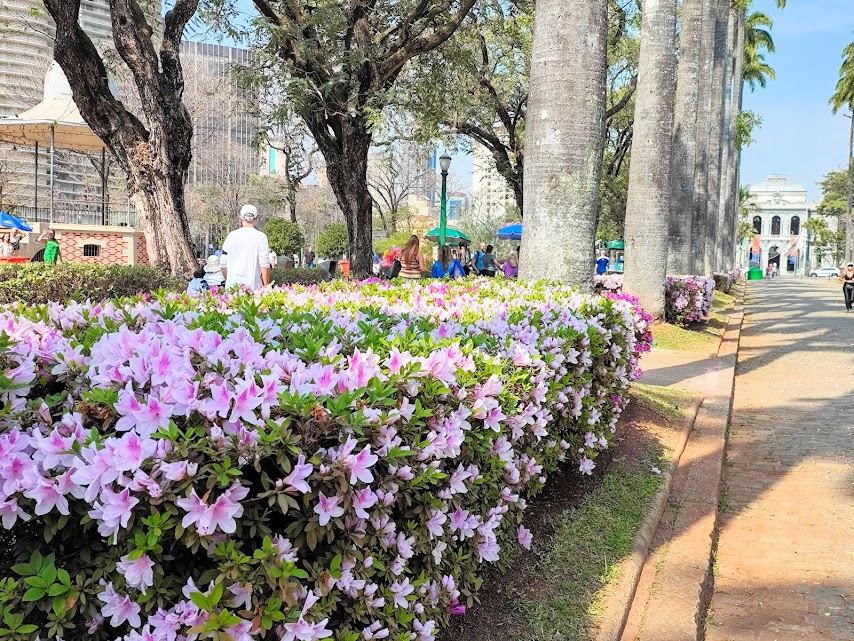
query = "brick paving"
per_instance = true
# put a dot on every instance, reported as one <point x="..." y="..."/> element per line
<point x="785" y="558"/>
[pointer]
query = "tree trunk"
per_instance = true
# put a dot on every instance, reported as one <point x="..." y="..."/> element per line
<point x="648" y="204"/>
<point x="685" y="122"/>
<point x="701" y="164"/>
<point x="564" y="140"/>
<point x="723" y="19"/>
<point x="155" y="157"/>
<point x="348" y="179"/>
<point x="729" y="195"/>
<point x="719" y="263"/>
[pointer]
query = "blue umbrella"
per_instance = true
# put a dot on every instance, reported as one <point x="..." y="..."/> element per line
<point x="11" y="222"/>
<point x="511" y="232"/>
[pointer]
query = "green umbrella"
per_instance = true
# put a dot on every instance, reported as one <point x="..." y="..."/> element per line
<point x="452" y="236"/>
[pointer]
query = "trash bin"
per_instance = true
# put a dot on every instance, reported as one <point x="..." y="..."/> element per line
<point x="345" y="268"/>
<point x="754" y="273"/>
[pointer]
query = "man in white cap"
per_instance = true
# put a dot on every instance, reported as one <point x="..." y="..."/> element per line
<point x="245" y="256"/>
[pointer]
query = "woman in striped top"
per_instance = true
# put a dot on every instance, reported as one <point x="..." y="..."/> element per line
<point x="411" y="260"/>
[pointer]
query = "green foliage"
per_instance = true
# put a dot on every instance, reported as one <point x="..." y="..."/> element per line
<point x="834" y="190"/>
<point x="400" y="239"/>
<point x="332" y="241"/>
<point x="37" y="283"/>
<point x="286" y="238"/>
<point x="297" y="276"/>
<point x="826" y="240"/>
<point x="844" y="95"/>
<point x="757" y="39"/>
<point x="748" y="122"/>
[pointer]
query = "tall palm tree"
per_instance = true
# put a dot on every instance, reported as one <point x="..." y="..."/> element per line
<point x="564" y="140"/>
<point x="843" y="98"/>
<point x="757" y="37"/>
<point x="648" y="204"/>
<point x="685" y="123"/>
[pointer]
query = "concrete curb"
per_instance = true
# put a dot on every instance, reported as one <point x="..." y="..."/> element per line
<point x="615" y="609"/>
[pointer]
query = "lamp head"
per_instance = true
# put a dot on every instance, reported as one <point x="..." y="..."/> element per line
<point x="445" y="162"/>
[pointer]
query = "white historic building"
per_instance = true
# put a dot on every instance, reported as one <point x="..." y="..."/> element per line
<point x="780" y="210"/>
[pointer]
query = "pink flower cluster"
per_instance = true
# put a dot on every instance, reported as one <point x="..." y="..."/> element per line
<point x="609" y="282"/>
<point x="688" y="299"/>
<point x="302" y="462"/>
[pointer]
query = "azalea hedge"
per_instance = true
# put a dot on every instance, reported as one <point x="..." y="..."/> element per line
<point x="688" y="299"/>
<point x="336" y="462"/>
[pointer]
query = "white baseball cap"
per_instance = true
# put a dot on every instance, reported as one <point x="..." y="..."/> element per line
<point x="249" y="212"/>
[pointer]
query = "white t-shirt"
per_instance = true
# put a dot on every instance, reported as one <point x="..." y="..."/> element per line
<point x="244" y="253"/>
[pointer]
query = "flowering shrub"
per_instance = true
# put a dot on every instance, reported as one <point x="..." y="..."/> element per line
<point x="725" y="281"/>
<point x="304" y="463"/>
<point x="608" y="282"/>
<point x="688" y="299"/>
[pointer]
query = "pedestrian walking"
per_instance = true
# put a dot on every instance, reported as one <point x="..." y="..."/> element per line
<point x="309" y="257"/>
<point x="52" y="252"/>
<point x="245" y="256"/>
<point x="411" y="260"/>
<point x="274" y="259"/>
<point x="847" y="278"/>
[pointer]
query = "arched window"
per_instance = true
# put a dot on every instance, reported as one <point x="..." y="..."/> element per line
<point x="795" y="226"/>
<point x="775" y="226"/>
<point x="757" y="224"/>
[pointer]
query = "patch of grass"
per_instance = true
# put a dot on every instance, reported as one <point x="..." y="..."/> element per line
<point x="666" y="401"/>
<point x="589" y="543"/>
<point x="723" y="301"/>
<point x="673" y="337"/>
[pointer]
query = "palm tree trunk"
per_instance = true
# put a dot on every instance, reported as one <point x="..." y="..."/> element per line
<point x="701" y="164"/>
<point x="719" y="262"/>
<point x="681" y="224"/>
<point x="564" y="140"/>
<point x="722" y="24"/>
<point x="730" y="188"/>
<point x="648" y="204"/>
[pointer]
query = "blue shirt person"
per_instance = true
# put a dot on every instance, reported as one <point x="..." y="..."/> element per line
<point x="602" y="263"/>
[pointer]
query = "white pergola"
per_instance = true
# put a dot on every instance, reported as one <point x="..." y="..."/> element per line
<point x="54" y="123"/>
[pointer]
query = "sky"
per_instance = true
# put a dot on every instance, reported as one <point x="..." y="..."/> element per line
<point x="800" y="137"/>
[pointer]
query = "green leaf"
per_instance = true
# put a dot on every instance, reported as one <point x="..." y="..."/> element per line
<point x="216" y="595"/>
<point x="29" y="628"/>
<point x="33" y="594"/>
<point x="63" y="577"/>
<point x="201" y="601"/>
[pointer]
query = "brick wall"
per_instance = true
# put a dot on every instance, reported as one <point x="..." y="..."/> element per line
<point x="117" y="246"/>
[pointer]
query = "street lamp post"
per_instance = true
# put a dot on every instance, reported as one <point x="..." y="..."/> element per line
<point x="849" y="237"/>
<point x="444" y="165"/>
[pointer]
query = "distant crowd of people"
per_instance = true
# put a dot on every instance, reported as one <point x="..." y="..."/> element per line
<point x="452" y="262"/>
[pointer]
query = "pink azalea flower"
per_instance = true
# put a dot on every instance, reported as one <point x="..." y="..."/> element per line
<point x="586" y="466"/>
<point x="362" y="500"/>
<point x="434" y="525"/>
<point x="47" y="492"/>
<point x="138" y="573"/>
<point x="328" y="508"/>
<point x="119" y="608"/>
<point x="296" y="480"/>
<point x="526" y="539"/>
<point x="359" y="466"/>
<point x="131" y="450"/>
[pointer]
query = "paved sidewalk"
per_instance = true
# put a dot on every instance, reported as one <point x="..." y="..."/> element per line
<point x="785" y="559"/>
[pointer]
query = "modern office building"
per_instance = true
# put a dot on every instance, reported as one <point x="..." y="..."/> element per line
<point x="492" y="197"/>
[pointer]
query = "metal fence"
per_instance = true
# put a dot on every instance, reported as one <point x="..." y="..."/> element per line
<point x="79" y="215"/>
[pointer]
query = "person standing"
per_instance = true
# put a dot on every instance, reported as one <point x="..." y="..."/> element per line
<point x="602" y="263"/>
<point x="245" y="256"/>
<point x="52" y="253"/>
<point x="447" y="265"/>
<point x="411" y="260"/>
<point x="510" y="267"/>
<point x="274" y="259"/>
<point x="465" y="257"/>
<point x="477" y="259"/>
<point x="488" y="263"/>
<point x="309" y="257"/>
<point x="847" y="278"/>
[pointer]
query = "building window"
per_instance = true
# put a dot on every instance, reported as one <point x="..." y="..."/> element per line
<point x="775" y="226"/>
<point x="757" y="224"/>
<point x="795" y="226"/>
<point x="92" y="251"/>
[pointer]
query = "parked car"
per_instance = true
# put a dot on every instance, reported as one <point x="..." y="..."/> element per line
<point x="825" y="272"/>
